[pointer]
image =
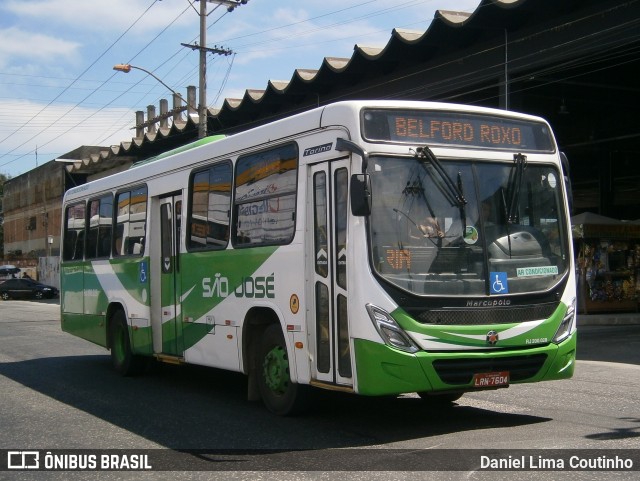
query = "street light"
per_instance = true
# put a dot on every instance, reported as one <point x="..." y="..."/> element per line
<point x="126" y="68"/>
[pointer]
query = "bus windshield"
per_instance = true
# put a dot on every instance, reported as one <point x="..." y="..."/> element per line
<point x="468" y="227"/>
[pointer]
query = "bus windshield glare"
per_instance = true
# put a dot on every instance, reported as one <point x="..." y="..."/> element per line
<point x="505" y="238"/>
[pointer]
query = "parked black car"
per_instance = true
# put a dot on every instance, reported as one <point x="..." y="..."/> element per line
<point x="14" y="288"/>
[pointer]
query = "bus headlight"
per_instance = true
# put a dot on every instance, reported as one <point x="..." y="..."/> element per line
<point x="389" y="330"/>
<point x="567" y="324"/>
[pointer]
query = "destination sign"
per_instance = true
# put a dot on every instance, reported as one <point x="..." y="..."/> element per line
<point x="456" y="128"/>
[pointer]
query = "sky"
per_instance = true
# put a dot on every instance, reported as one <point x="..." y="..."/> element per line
<point x="58" y="89"/>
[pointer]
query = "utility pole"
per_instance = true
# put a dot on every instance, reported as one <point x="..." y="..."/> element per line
<point x="202" y="82"/>
<point x="202" y="99"/>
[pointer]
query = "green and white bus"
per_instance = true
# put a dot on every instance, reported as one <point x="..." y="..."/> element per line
<point x="372" y="247"/>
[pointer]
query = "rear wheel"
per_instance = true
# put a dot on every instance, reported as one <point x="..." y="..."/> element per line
<point x="5" y="296"/>
<point x="279" y="394"/>
<point x="123" y="360"/>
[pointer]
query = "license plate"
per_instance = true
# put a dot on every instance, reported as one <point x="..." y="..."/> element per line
<point x="491" y="379"/>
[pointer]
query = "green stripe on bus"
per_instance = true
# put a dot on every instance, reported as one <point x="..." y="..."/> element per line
<point x="475" y="335"/>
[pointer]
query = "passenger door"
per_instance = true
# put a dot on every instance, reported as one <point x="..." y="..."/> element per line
<point x="166" y="261"/>
<point x="327" y="216"/>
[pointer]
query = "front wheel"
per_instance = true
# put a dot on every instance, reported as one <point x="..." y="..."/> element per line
<point x="279" y="394"/>
<point x="39" y="294"/>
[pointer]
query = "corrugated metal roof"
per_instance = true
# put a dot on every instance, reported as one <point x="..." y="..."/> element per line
<point x="449" y="32"/>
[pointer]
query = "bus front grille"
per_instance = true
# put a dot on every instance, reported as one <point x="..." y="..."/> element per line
<point x="461" y="371"/>
<point x="470" y="316"/>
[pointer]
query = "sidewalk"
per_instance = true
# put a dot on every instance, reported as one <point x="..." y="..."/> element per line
<point x="613" y="319"/>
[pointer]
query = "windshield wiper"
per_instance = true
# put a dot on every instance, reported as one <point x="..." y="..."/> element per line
<point x="463" y="212"/>
<point x="453" y="193"/>
<point x="515" y="183"/>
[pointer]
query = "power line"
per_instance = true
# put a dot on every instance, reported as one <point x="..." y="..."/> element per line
<point x="75" y="80"/>
<point x="422" y="87"/>
<point x="92" y="93"/>
<point x="324" y="28"/>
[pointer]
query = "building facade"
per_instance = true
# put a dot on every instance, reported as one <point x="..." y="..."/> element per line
<point x="572" y="62"/>
<point x="32" y="209"/>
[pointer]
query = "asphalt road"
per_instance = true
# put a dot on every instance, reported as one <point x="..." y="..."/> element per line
<point x="59" y="392"/>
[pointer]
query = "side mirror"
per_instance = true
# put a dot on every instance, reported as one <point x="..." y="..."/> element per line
<point x="360" y="194"/>
<point x="567" y="180"/>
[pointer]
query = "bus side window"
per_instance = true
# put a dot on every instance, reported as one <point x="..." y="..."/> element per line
<point x="104" y="242"/>
<point x="210" y="201"/>
<point x="73" y="243"/>
<point x="118" y="241"/>
<point x="100" y="221"/>
<point x="123" y="206"/>
<point x="130" y="222"/>
<point x="69" y="245"/>
<point x="265" y="197"/>
<point x="92" y="237"/>
<point x="79" y="245"/>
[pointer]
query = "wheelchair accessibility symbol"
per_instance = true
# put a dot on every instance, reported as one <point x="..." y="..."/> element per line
<point x="499" y="283"/>
<point x="143" y="272"/>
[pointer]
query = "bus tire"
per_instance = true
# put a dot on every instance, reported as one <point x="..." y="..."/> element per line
<point x="440" y="400"/>
<point x="279" y="394"/>
<point x="123" y="360"/>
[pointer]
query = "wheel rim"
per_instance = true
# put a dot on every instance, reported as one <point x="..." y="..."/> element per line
<point x="5" y="296"/>
<point x="276" y="370"/>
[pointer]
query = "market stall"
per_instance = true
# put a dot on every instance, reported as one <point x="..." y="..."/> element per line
<point x="608" y="262"/>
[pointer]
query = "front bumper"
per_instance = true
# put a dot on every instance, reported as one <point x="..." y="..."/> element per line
<point x="382" y="370"/>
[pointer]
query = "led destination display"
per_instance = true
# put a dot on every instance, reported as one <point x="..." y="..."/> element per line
<point x="456" y="128"/>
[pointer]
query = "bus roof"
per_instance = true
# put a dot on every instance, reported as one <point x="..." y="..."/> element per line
<point x="321" y="117"/>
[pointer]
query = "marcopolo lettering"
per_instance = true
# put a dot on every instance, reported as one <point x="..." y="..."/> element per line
<point x="489" y="303"/>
